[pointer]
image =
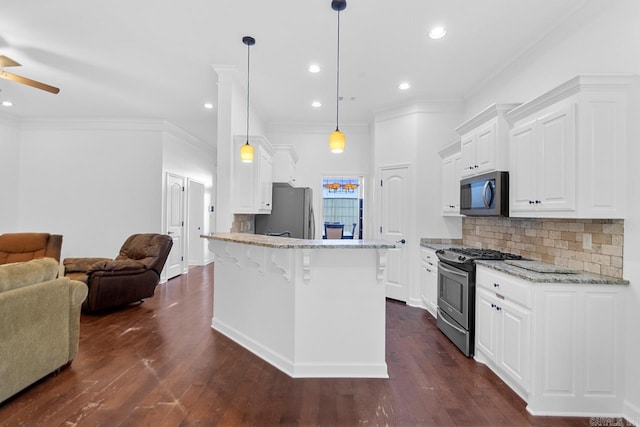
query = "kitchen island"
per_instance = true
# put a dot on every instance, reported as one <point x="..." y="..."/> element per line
<point x="311" y="308"/>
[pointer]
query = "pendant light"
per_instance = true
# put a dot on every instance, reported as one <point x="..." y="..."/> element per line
<point x="246" y="151"/>
<point x="337" y="139"/>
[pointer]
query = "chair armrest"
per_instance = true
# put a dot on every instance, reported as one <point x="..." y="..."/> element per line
<point x="73" y="265"/>
<point x="77" y="293"/>
<point x="111" y="265"/>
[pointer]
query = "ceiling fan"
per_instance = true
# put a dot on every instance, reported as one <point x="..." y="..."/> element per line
<point x="8" y="62"/>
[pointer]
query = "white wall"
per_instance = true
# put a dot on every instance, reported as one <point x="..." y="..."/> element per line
<point x="315" y="160"/>
<point x="94" y="182"/>
<point x="9" y="163"/>
<point x="412" y="135"/>
<point x="604" y="37"/>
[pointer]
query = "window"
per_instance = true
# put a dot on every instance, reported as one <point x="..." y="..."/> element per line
<point x="342" y="203"/>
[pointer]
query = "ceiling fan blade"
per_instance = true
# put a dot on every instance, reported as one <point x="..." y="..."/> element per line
<point x="7" y="62"/>
<point x="28" y="82"/>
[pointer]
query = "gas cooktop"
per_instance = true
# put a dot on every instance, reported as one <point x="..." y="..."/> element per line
<point x="468" y="255"/>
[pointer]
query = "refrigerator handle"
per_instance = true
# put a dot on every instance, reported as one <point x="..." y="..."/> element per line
<point x="313" y="224"/>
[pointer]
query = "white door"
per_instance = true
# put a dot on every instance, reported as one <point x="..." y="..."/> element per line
<point x="394" y="220"/>
<point x="175" y="224"/>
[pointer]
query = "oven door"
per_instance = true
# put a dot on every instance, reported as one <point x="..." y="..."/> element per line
<point x="453" y="293"/>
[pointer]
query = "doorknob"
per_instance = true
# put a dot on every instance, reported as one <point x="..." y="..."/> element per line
<point x="169" y="232"/>
<point x="401" y="241"/>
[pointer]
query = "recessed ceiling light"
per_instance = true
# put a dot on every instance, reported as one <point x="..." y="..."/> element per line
<point x="7" y="104"/>
<point x="437" y="33"/>
<point x="404" y="86"/>
<point x="314" y="68"/>
<point x="208" y="105"/>
<point x="316" y="104"/>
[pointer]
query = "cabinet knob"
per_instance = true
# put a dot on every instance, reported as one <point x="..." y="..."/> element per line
<point x="493" y="305"/>
<point x="475" y="166"/>
<point x="498" y="308"/>
<point x="496" y="285"/>
<point x="427" y="269"/>
<point x="538" y="202"/>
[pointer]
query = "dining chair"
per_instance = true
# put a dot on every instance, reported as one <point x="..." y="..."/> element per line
<point x="333" y="231"/>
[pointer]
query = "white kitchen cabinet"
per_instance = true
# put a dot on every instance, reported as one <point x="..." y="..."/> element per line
<point x="542" y="161"/>
<point x="484" y="141"/>
<point x="252" y="182"/>
<point x="284" y="164"/>
<point x="567" y="151"/>
<point x="429" y="280"/>
<point x="451" y="179"/>
<point x="557" y="345"/>
<point x="503" y="330"/>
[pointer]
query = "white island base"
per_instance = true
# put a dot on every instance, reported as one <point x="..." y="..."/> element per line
<point x="311" y="308"/>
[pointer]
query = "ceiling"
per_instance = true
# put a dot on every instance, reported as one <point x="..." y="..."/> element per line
<point x="154" y="58"/>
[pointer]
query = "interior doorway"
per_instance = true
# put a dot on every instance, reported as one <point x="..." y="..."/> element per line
<point x="342" y="207"/>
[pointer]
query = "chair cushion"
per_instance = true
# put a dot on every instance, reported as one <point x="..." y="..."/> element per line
<point x="116" y="265"/>
<point x="20" y="274"/>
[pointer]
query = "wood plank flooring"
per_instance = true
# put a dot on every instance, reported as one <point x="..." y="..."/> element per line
<point x="160" y="364"/>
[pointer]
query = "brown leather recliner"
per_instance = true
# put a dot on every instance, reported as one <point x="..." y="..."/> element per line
<point x="20" y="247"/>
<point x="132" y="276"/>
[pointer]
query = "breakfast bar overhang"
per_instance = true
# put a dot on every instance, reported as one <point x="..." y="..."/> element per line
<point x="311" y="308"/>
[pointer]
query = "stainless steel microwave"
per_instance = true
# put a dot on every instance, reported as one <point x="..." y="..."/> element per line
<point x="485" y="195"/>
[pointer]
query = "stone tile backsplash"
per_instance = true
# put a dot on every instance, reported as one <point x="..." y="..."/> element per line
<point x="593" y="245"/>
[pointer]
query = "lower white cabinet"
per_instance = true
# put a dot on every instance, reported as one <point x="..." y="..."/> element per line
<point x="503" y="336"/>
<point x="558" y="345"/>
<point x="429" y="280"/>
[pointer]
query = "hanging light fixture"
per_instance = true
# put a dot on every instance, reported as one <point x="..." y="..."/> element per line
<point x="337" y="139"/>
<point x="246" y="151"/>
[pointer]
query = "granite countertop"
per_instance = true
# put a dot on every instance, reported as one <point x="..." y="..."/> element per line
<point x="290" y="243"/>
<point x="436" y="244"/>
<point x="533" y="276"/>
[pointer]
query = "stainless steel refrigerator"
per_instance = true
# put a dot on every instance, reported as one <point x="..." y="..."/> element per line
<point x="291" y="212"/>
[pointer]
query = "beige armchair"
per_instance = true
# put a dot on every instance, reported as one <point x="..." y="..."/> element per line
<point x="39" y="322"/>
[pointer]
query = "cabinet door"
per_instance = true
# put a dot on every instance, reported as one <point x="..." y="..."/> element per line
<point x="468" y="155"/>
<point x="523" y="155"/>
<point x="486" y="148"/>
<point x="486" y="323"/>
<point x="513" y="355"/>
<point x="451" y="185"/>
<point x="266" y="183"/>
<point x="556" y="168"/>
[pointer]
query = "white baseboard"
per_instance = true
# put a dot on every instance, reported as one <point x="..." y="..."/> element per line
<point x="631" y="413"/>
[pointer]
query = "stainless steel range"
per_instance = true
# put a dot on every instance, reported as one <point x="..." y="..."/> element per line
<point x="457" y="292"/>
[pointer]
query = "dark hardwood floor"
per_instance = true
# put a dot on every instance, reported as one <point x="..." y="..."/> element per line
<point x="160" y="364"/>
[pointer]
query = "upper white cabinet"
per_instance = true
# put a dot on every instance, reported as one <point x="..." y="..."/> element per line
<point x="451" y="158"/>
<point x="567" y="150"/>
<point x="483" y="141"/>
<point x="252" y="182"/>
<point x="284" y="164"/>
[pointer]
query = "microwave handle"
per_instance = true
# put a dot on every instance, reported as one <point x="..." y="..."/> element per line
<point x="487" y="186"/>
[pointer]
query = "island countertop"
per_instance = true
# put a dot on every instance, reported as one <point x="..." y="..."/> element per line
<point x="290" y="243"/>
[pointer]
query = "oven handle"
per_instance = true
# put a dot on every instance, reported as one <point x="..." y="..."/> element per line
<point x="449" y="270"/>
<point x="441" y="314"/>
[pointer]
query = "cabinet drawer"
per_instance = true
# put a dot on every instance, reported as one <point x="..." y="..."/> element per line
<point x="511" y="288"/>
<point x="429" y="257"/>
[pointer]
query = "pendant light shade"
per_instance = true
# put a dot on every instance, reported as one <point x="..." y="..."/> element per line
<point x="246" y="151"/>
<point x="337" y="139"/>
